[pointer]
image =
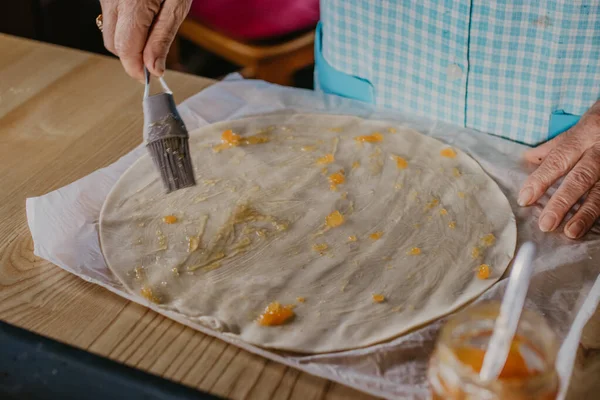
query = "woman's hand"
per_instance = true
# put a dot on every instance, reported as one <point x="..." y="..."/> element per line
<point x="575" y="155"/>
<point x="140" y="32"/>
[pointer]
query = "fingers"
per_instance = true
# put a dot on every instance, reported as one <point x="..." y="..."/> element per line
<point x="539" y="153"/>
<point x="131" y="33"/>
<point x="586" y="216"/>
<point x="162" y="34"/>
<point x="142" y="31"/>
<point x="109" y="20"/>
<point x="556" y="164"/>
<point x="577" y="182"/>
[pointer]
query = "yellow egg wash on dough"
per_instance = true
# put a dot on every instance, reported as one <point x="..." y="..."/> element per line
<point x="488" y="240"/>
<point x="448" y="152"/>
<point x="170" y="219"/>
<point x="334" y="219"/>
<point x="376" y="235"/>
<point x="483" y="271"/>
<point x="320" y="247"/>
<point x="373" y="138"/>
<point x="336" y="179"/>
<point x="378" y="298"/>
<point x="230" y="139"/>
<point x="326" y="159"/>
<point x="276" y="314"/>
<point x="414" y="251"/>
<point x="401" y="162"/>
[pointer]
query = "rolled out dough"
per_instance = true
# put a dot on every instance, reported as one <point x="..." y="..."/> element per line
<point x="416" y="227"/>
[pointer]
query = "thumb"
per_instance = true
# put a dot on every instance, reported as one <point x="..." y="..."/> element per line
<point x="162" y="34"/>
<point x="539" y="153"/>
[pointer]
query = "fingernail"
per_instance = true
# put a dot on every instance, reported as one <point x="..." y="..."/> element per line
<point x="525" y="196"/>
<point x="547" y="222"/>
<point x="575" y="230"/>
<point x="160" y="65"/>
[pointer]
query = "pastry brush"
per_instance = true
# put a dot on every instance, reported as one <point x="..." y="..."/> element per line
<point x="167" y="138"/>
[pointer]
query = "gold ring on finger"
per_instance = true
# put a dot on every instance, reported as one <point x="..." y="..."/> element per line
<point x="99" y="22"/>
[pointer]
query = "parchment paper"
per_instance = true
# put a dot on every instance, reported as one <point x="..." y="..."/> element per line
<point x="565" y="287"/>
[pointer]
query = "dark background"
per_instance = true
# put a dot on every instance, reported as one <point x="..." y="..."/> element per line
<point x="66" y="22"/>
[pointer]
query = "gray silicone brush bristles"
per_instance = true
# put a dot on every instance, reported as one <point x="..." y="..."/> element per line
<point x="167" y="139"/>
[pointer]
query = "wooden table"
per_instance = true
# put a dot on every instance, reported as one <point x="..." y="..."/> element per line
<point x="64" y="114"/>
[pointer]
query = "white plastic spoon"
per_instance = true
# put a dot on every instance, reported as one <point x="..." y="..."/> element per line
<point x="510" y="313"/>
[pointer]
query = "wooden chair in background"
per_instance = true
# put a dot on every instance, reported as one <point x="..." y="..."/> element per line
<point x="275" y="63"/>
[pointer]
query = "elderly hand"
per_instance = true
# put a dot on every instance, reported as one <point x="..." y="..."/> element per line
<point x="575" y="155"/>
<point x="140" y="32"/>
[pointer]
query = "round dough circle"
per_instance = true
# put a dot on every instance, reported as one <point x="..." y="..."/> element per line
<point x="258" y="217"/>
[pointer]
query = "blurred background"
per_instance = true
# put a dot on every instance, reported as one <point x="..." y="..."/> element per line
<point x="265" y="39"/>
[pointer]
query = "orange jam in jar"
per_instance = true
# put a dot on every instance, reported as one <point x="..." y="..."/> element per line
<point x="528" y="374"/>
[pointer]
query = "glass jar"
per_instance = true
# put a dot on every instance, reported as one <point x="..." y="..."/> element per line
<point x="529" y="372"/>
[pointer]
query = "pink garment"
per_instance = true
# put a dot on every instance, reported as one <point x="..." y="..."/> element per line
<point x="256" y="19"/>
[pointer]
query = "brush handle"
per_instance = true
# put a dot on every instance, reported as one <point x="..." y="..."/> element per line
<point x="161" y="119"/>
<point x="162" y="81"/>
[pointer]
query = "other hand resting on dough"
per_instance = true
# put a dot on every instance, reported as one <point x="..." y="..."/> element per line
<point x="575" y="154"/>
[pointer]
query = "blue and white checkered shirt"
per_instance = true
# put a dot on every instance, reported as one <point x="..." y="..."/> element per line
<point x="498" y="66"/>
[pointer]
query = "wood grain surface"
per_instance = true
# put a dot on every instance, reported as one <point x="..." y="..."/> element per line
<point x="63" y="115"/>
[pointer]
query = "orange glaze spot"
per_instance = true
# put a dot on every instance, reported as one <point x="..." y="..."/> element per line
<point x="415" y="251"/>
<point x="300" y="299"/>
<point x="320" y="247"/>
<point x="476" y="252"/>
<point x="355" y="164"/>
<point x="483" y="271"/>
<point x="515" y="366"/>
<point x="378" y="298"/>
<point x="375" y="137"/>
<point x="461" y="195"/>
<point x="488" y="239"/>
<point x="433" y="203"/>
<point x="448" y="152"/>
<point x="169" y="219"/>
<point x="443" y="211"/>
<point x="452" y="224"/>
<point x="276" y="314"/>
<point x="392" y="130"/>
<point x="147" y="293"/>
<point x="255" y="140"/>
<point x="326" y="159"/>
<point x="334" y="219"/>
<point x="376" y="235"/>
<point x="401" y="163"/>
<point x="352" y="238"/>
<point x="336" y="179"/>
<point x="230" y="138"/>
